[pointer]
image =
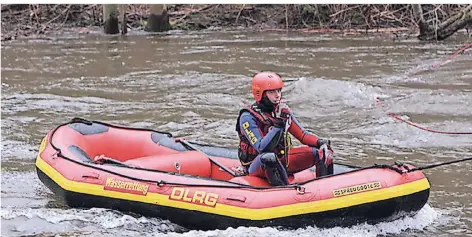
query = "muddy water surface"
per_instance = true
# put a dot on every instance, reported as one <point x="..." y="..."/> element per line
<point x="192" y="84"/>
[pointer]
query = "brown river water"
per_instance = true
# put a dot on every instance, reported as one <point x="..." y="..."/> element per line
<point x="193" y="84"/>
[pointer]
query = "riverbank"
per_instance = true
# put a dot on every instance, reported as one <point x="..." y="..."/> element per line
<point x="20" y="21"/>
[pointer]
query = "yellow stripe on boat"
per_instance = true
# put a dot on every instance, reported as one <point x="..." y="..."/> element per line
<point x="240" y="212"/>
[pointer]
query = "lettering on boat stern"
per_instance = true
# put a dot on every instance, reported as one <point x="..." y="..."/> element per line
<point x="356" y="189"/>
<point x="126" y="186"/>
<point x="197" y="197"/>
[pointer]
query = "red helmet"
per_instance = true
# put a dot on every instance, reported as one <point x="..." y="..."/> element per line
<point x="265" y="81"/>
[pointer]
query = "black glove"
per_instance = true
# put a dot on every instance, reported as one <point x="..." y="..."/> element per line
<point x="282" y="111"/>
<point x="321" y="141"/>
<point x="279" y="123"/>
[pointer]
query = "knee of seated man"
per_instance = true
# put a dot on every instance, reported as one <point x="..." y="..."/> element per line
<point x="269" y="159"/>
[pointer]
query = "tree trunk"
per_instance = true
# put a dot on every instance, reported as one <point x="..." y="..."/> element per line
<point x="418" y="11"/>
<point x="110" y="19"/>
<point x="124" y="19"/>
<point x="158" y="19"/>
<point x="446" y="28"/>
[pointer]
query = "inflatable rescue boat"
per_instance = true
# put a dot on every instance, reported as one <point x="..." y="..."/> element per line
<point x="151" y="173"/>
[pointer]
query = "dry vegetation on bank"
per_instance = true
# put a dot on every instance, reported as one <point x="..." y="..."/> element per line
<point x="33" y="20"/>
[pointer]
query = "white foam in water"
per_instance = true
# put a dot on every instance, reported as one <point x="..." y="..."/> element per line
<point x="389" y="131"/>
<point x="27" y="102"/>
<point x="18" y="149"/>
<point x="99" y="217"/>
<point x="434" y="102"/>
<point x="422" y="219"/>
<point x="331" y="94"/>
<point x="402" y="79"/>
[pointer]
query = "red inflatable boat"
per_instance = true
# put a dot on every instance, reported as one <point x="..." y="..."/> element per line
<point x="151" y="173"/>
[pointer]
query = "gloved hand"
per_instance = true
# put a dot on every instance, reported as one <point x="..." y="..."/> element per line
<point x="326" y="155"/>
<point x="282" y="110"/>
<point x="280" y="123"/>
<point x="322" y="141"/>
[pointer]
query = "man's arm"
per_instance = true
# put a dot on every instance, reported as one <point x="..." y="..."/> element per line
<point x="248" y="126"/>
<point x="301" y="134"/>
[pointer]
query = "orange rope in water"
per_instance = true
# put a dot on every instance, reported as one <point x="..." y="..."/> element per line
<point x="423" y="128"/>
<point x="452" y="55"/>
<point x="427" y="129"/>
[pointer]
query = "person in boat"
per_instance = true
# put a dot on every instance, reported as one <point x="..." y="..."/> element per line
<point x="265" y="148"/>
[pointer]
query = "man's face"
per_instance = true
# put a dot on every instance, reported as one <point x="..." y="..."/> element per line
<point x="274" y="95"/>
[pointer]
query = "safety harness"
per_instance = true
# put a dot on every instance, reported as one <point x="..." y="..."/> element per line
<point x="264" y="120"/>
